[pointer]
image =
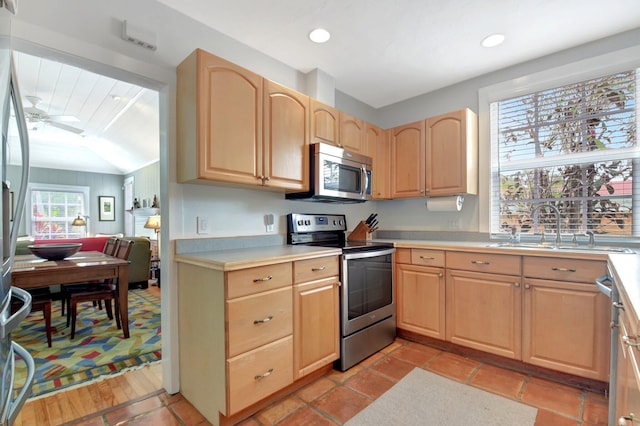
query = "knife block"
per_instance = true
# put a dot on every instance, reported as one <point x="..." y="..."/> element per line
<point x="360" y="233"/>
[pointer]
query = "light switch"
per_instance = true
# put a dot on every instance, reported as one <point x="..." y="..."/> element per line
<point x="203" y="224"/>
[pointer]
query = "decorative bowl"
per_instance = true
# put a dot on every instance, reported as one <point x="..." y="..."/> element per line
<point x="54" y="251"/>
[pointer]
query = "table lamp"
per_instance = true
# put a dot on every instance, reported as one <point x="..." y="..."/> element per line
<point x="80" y="221"/>
<point x="153" y="222"/>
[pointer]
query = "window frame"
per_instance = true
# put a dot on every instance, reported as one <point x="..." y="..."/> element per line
<point x="84" y="190"/>
<point x="598" y="66"/>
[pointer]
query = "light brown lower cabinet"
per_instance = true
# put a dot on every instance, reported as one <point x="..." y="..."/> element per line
<point x="544" y="311"/>
<point x="566" y="318"/>
<point x="627" y="409"/>
<point x="420" y="292"/>
<point x="484" y="312"/>
<point x="248" y="333"/>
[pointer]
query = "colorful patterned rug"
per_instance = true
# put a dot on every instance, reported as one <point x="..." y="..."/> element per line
<point x="98" y="348"/>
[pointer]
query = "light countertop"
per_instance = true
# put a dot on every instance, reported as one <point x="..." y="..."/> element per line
<point x="230" y="260"/>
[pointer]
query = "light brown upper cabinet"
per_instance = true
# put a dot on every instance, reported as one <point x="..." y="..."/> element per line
<point x="407" y="160"/>
<point x="325" y="123"/>
<point x="286" y="138"/>
<point x="377" y="147"/>
<point x="235" y="126"/>
<point x="434" y="157"/>
<point x="216" y="142"/>
<point x="452" y="154"/>
<point x="352" y="133"/>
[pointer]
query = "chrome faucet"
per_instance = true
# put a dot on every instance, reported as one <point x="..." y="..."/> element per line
<point x="557" y="213"/>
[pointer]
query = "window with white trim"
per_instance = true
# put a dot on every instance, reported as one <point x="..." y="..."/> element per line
<point x="53" y="208"/>
<point x="574" y="147"/>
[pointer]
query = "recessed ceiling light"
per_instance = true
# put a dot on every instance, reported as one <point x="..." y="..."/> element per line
<point x="493" y="40"/>
<point x="319" y="35"/>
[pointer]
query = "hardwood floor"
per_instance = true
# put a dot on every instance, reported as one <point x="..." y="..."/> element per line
<point x="137" y="398"/>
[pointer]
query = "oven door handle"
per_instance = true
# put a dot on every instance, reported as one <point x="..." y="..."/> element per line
<point x="366" y="254"/>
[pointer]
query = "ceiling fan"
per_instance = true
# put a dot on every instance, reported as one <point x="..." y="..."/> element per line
<point x="35" y="114"/>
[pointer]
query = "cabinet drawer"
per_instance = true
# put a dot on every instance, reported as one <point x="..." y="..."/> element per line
<point x="426" y="257"/>
<point x="255" y="320"/>
<point x="259" y="373"/>
<point x="254" y="280"/>
<point x="482" y="262"/>
<point x="563" y="269"/>
<point x="315" y="269"/>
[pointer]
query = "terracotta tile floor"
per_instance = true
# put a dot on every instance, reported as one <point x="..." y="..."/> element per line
<point x="336" y="397"/>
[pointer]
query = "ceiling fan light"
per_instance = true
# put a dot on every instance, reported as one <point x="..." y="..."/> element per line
<point x="319" y="35"/>
<point x="492" y="40"/>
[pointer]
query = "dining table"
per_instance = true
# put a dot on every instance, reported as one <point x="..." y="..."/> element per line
<point x="30" y="271"/>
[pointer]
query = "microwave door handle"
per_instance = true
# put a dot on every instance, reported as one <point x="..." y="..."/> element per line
<point x="365" y="181"/>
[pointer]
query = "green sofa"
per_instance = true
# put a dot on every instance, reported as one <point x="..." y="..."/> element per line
<point x="140" y="256"/>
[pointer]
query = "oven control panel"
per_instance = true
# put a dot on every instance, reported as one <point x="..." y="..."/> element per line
<point x="305" y="222"/>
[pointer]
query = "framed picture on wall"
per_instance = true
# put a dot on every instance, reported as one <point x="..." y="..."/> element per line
<point x="107" y="208"/>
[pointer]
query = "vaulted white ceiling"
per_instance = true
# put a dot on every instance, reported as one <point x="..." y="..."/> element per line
<point x="385" y="51"/>
<point x="78" y="120"/>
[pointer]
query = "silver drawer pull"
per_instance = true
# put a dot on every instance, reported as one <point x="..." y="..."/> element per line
<point x="321" y="268"/>
<point x="627" y="341"/>
<point x="480" y="262"/>
<point x="259" y="280"/>
<point x="563" y="269"/>
<point x="263" y="375"/>
<point x="427" y="258"/>
<point x="262" y="321"/>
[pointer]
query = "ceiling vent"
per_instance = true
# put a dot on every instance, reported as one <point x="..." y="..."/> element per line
<point x="139" y="36"/>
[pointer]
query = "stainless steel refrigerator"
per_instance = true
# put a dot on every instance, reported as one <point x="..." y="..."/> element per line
<point x="14" y="130"/>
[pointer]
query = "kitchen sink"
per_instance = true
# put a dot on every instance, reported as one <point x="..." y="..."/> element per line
<point x="569" y="247"/>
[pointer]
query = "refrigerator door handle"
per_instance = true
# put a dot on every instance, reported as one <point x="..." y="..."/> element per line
<point x="12" y="321"/>
<point x="13" y="407"/>
<point x="24" y="147"/>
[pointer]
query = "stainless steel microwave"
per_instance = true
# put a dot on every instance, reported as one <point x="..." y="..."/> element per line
<point x="337" y="176"/>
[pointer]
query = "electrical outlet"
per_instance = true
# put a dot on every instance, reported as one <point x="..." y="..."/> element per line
<point x="268" y="221"/>
<point x="203" y="224"/>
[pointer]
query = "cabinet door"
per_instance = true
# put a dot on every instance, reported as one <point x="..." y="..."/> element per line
<point x="352" y="131"/>
<point x="627" y="375"/>
<point x="316" y="325"/>
<point x="407" y="160"/>
<point x="286" y="138"/>
<point x="229" y="139"/>
<point x="325" y="123"/>
<point x="566" y="328"/>
<point x="451" y="154"/>
<point x="378" y="148"/>
<point x="421" y="300"/>
<point x="484" y="312"/>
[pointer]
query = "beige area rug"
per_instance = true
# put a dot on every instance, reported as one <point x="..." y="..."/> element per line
<point x="424" y="398"/>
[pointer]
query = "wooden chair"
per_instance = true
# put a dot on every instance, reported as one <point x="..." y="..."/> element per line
<point x="40" y="301"/>
<point x="100" y="292"/>
<point x="110" y="247"/>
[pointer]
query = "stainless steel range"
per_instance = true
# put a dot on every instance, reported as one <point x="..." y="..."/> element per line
<point x="367" y="304"/>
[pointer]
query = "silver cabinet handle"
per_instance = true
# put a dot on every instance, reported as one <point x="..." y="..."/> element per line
<point x="320" y="268"/>
<point x="263" y="375"/>
<point x="627" y="341"/>
<point x="622" y="421"/>
<point x="618" y="305"/>
<point x="516" y="284"/>
<point x="427" y="258"/>
<point x="480" y="262"/>
<point x="563" y="269"/>
<point x="259" y="280"/>
<point x="262" y="321"/>
<point x="440" y="275"/>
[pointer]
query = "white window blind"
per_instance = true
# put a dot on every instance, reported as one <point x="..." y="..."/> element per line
<point x="573" y="147"/>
